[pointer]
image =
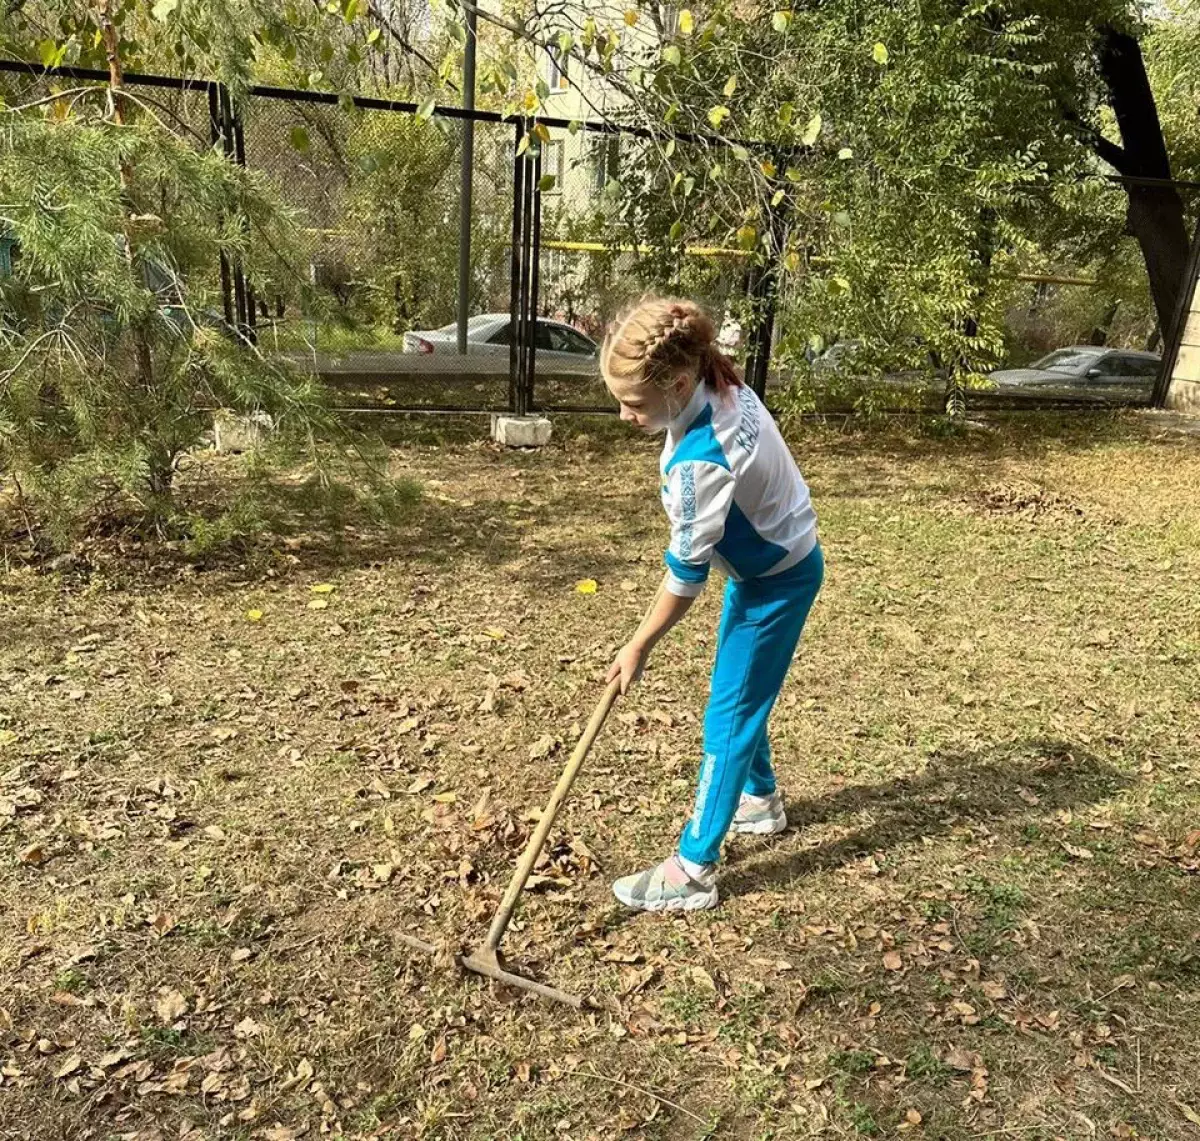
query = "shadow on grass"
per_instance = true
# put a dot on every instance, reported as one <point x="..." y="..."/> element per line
<point x="973" y="788"/>
<point x="345" y="526"/>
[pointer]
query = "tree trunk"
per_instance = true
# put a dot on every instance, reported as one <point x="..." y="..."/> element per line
<point x="1100" y="331"/>
<point x="1155" y="213"/>
<point x="116" y="78"/>
<point x="955" y="397"/>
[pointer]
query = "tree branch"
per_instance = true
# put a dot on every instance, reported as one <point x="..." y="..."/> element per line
<point x="395" y="33"/>
<point x="1115" y="156"/>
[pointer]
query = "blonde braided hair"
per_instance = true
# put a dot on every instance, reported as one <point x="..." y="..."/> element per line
<point x="658" y="339"/>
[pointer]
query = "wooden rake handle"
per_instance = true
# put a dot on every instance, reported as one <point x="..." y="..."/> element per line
<point x="561" y="790"/>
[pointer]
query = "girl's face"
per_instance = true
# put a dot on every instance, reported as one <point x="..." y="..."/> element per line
<point x="647" y="406"/>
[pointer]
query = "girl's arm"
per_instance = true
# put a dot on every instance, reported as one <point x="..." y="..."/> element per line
<point x="699" y="494"/>
<point x="628" y="665"/>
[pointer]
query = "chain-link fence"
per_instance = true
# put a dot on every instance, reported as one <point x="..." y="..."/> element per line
<point x="367" y="291"/>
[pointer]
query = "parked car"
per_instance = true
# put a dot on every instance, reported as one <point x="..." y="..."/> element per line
<point x="560" y="348"/>
<point x="1082" y="373"/>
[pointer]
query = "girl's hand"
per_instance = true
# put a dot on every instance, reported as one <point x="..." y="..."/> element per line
<point x="628" y="665"/>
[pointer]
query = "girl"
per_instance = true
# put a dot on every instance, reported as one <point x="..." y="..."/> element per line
<point x="736" y="499"/>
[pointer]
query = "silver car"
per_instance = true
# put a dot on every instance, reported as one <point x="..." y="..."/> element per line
<point x="561" y="349"/>
<point x="1082" y="372"/>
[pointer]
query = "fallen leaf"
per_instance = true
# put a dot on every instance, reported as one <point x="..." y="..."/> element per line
<point x="543" y="747"/>
<point x="278" y="1132"/>
<point x="586" y="586"/>
<point x="1029" y="797"/>
<point x="702" y="978"/>
<point x="966" y="1012"/>
<point x="383" y="872"/>
<point x="323" y="588"/>
<point x="438" y="1054"/>
<point x="959" y="1059"/>
<point x="416" y="1032"/>
<point x="994" y="991"/>
<point x="1077" y="852"/>
<point x="248" y="1028"/>
<point x="68" y="1066"/>
<point x="446" y="797"/>
<point x="318" y="604"/>
<point x="913" y="1117"/>
<point x="241" y="955"/>
<point x="1188" y="1112"/>
<point x="419" y="785"/>
<point x="892" y="961"/>
<point x="34" y="855"/>
<point x="496" y="632"/>
<point x="171" y="1006"/>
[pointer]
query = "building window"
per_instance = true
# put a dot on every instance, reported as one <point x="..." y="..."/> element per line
<point x="556" y="72"/>
<point x="606" y="152"/>
<point x="553" y="156"/>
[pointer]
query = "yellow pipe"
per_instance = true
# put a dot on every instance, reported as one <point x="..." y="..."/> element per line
<point x="601" y="247"/>
<point x="723" y="251"/>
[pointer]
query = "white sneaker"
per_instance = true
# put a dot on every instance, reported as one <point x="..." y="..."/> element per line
<point x="668" y="887"/>
<point x="760" y="816"/>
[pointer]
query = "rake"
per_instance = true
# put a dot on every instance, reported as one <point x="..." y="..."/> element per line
<point x="486" y="959"/>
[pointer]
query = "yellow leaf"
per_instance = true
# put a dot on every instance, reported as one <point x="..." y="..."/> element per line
<point x="446" y="797"/>
<point x="687" y="23"/>
<point x="497" y="632"/>
<point x="253" y="615"/>
<point x="1189" y="1112"/>
<point x="586" y="586"/>
<point x="416" y="1033"/>
<point x="323" y="588"/>
<point x="631" y="16"/>
<point x="318" y="604"/>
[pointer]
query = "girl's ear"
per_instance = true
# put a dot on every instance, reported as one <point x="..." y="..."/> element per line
<point x="681" y="383"/>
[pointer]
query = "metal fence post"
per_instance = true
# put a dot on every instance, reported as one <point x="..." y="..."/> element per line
<point x="216" y="125"/>
<point x="535" y="269"/>
<point x="250" y="329"/>
<point x="229" y="130"/>
<point x="515" y="309"/>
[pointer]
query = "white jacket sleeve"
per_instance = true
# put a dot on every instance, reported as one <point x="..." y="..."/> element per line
<point x="699" y="495"/>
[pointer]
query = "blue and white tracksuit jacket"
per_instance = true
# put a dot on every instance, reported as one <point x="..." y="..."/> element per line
<point x="737" y="501"/>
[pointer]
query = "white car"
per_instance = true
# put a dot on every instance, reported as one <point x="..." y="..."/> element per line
<point x="560" y="348"/>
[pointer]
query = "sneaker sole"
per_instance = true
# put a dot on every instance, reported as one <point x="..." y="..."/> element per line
<point x="770" y="827"/>
<point x="697" y="902"/>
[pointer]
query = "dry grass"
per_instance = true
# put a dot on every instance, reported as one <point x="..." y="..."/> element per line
<point x="211" y="828"/>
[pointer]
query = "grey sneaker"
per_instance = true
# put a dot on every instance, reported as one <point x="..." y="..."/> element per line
<point x="757" y="819"/>
<point x="667" y="887"/>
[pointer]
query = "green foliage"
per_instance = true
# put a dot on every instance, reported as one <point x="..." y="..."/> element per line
<point x="113" y="352"/>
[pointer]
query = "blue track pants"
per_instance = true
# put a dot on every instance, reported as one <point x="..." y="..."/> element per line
<point x="760" y="627"/>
